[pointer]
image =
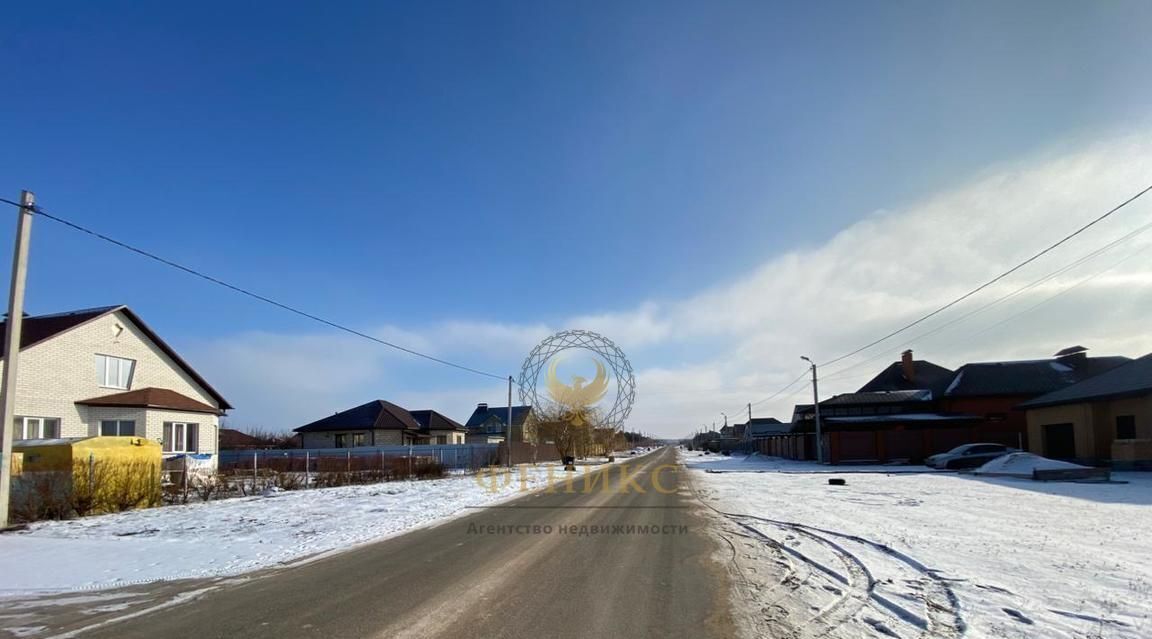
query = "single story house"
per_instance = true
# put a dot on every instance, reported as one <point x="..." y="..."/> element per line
<point x="1106" y="418"/>
<point x="380" y="423"/>
<point x="104" y="372"/>
<point x="377" y="423"/>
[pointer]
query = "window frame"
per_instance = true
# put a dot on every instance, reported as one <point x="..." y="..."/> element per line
<point x="188" y="438"/>
<point x="21" y="422"/>
<point x="340" y="440"/>
<point x="103" y="370"/>
<point x="119" y="423"/>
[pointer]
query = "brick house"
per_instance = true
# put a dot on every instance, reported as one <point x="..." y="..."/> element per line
<point x="995" y="390"/>
<point x="380" y="423"/>
<point x="1103" y="419"/>
<point x="103" y="371"/>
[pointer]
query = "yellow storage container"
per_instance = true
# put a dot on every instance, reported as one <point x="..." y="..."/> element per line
<point x="81" y="476"/>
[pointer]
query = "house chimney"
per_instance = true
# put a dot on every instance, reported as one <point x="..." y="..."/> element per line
<point x="482" y="406"/>
<point x="908" y="365"/>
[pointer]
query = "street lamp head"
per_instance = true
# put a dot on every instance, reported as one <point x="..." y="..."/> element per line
<point x="805" y="358"/>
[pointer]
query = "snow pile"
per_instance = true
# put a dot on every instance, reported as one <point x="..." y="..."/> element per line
<point x="1022" y="465"/>
<point x="233" y="536"/>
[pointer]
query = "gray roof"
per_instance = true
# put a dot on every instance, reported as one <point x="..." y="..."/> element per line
<point x="1029" y="377"/>
<point x="1130" y="379"/>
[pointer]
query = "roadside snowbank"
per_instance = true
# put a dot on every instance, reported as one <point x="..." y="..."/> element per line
<point x="1022" y="465"/>
<point x="1023" y="558"/>
<point x="233" y="536"/>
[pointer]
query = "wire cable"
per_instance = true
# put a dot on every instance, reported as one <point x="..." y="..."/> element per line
<point x="1053" y="274"/>
<point x="992" y="281"/>
<point x="291" y="309"/>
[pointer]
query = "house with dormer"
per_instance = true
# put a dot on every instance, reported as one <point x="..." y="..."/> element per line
<point x="104" y="372"/>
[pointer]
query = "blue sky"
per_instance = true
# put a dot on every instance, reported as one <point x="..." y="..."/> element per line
<point x="401" y="167"/>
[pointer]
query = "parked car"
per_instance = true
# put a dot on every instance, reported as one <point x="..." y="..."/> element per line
<point x="968" y="456"/>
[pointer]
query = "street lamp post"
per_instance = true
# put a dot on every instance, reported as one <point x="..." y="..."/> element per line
<point x="816" y="408"/>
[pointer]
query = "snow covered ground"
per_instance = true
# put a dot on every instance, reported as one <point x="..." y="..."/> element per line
<point x="233" y="536"/>
<point x="934" y="554"/>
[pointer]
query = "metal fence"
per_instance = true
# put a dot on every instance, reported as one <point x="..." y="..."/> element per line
<point x="448" y="456"/>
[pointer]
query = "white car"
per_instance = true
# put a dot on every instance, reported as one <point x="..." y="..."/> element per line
<point x="968" y="456"/>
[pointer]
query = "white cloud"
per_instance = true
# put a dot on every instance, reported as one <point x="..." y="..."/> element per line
<point x="872" y="277"/>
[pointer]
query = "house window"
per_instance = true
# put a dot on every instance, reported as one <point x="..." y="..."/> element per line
<point x="181" y="437"/>
<point x="117" y="427"/>
<point x="1125" y="427"/>
<point x="441" y="439"/>
<point x="359" y="439"/>
<point x="114" y="372"/>
<point x="36" y="428"/>
<point x="341" y="440"/>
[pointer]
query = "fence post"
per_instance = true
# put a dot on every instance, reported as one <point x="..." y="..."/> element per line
<point x="307" y="474"/>
<point x="184" y="497"/>
<point x="409" y="460"/>
<point x="255" y="470"/>
<point x="349" y="463"/>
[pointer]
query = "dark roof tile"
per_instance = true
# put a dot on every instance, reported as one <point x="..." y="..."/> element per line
<point x="1029" y="377"/>
<point x="926" y="375"/>
<point x="376" y="414"/>
<point x="152" y="398"/>
<point x="1129" y="379"/>
<point x="482" y="413"/>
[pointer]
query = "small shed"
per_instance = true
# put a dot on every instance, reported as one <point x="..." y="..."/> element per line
<point x="57" y="478"/>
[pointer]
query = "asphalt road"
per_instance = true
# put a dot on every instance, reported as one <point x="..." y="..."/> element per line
<point x="520" y="569"/>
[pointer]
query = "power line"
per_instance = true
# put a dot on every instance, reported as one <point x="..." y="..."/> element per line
<point x="41" y="212"/>
<point x="993" y="280"/>
<point x="1051" y="275"/>
<point x="982" y="287"/>
<point x="775" y="394"/>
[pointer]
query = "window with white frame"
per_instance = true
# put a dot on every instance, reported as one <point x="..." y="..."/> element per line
<point x="181" y="437"/>
<point x="114" y="372"/>
<point x="36" y="428"/>
<point x="118" y="427"/>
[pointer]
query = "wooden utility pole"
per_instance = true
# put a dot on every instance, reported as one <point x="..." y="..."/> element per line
<point x="12" y="330"/>
<point x="508" y="430"/>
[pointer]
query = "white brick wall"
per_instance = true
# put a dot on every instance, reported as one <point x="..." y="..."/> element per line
<point x="60" y="371"/>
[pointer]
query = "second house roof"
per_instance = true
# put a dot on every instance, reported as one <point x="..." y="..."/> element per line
<point x="376" y="414"/>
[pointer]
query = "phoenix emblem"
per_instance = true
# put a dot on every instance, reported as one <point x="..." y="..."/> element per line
<point x="578" y="396"/>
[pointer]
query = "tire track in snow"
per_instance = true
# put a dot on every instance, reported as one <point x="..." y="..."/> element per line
<point x="941" y="605"/>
